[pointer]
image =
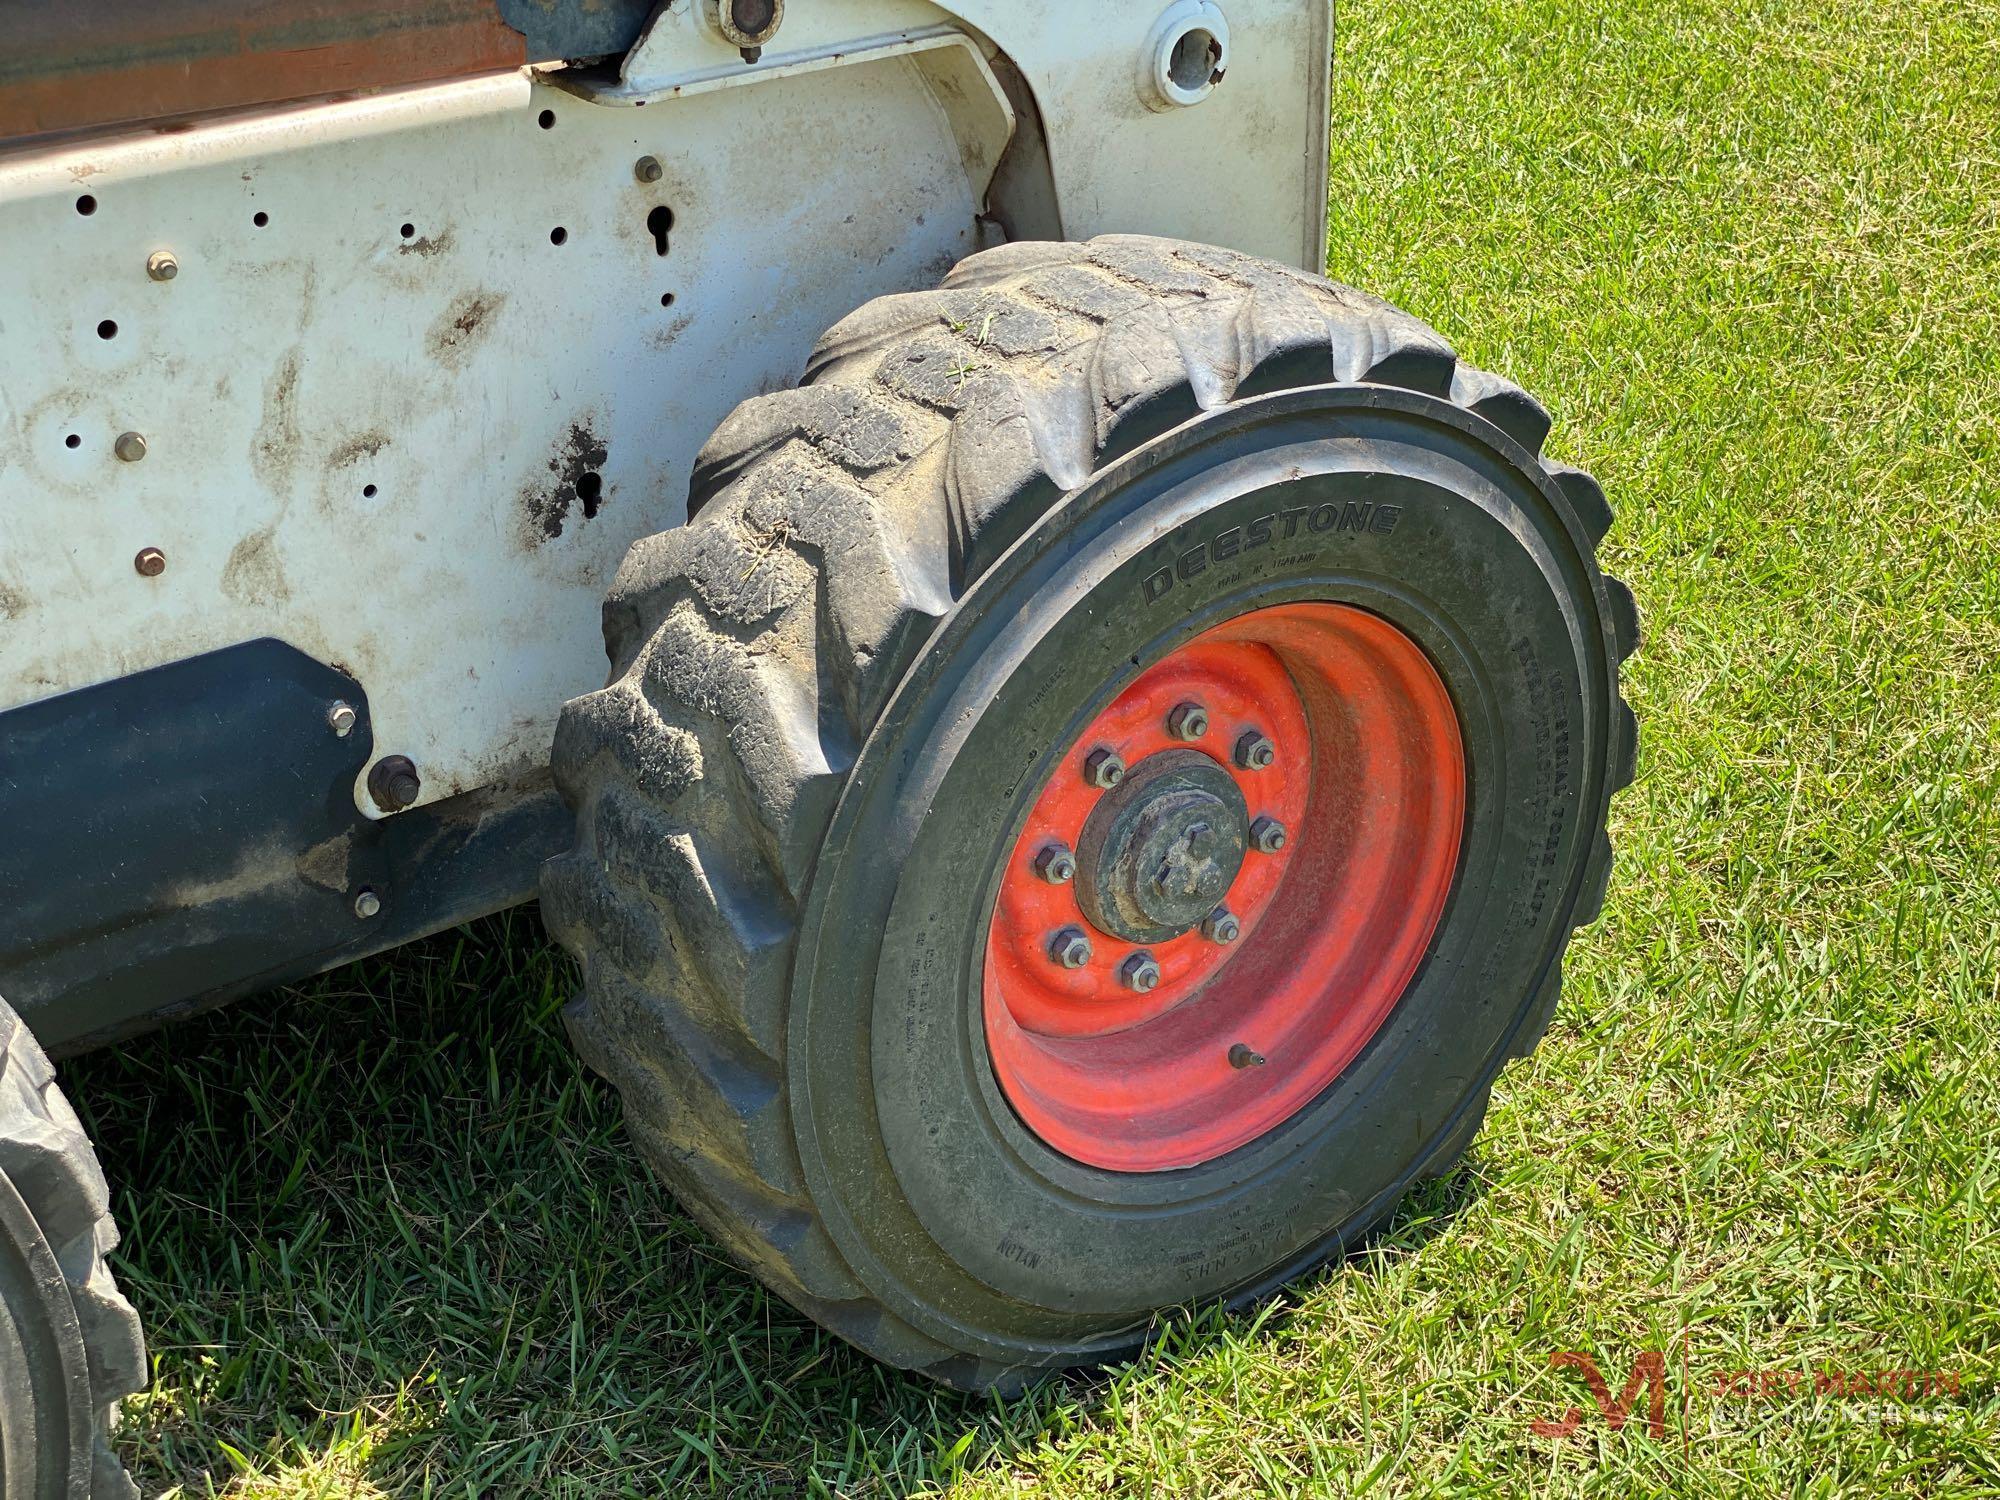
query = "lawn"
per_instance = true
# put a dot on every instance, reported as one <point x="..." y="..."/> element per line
<point x="389" y="1239"/>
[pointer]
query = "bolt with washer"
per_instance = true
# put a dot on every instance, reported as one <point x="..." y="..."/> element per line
<point x="340" y="719"/>
<point x="366" y="904"/>
<point x="1254" y="752"/>
<point x="648" y="169"/>
<point x="1267" y="835"/>
<point x="1056" y="864"/>
<point x="1221" y="926"/>
<point x="1140" y="972"/>
<point x="161" y="265"/>
<point x="1103" y="769"/>
<point x="1070" y="948"/>
<point x="394" y="783"/>
<point x="150" y="563"/>
<point x="130" y="447"/>
<point x="1188" y="721"/>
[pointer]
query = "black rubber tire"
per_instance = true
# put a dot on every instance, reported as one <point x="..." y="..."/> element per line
<point x="753" y="788"/>
<point x="70" y="1345"/>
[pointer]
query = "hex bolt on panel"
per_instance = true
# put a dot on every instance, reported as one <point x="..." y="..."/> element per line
<point x="161" y="265"/>
<point x="1103" y="769"/>
<point x="151" y="562"/>
<point x="1056" y="864"/>
<point x="340" y="719"/>
<point x="394" y="783"/>
<point x="131" y="446"/>
<point x="1221" y="926"/>
<point x="1140" y="972"/>
<point x="1070" y="948"/>
<point x="648" y="169"/>
<point x="367" y="904"/>
<point x="1267" y="835"/>
<point x="1254" y="752"/>
<point x="1188" y="721"/>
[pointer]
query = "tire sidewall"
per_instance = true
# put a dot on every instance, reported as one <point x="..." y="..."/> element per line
<point x="951" y="1210"/>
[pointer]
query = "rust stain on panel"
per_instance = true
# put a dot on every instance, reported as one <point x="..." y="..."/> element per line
<point x="461" y="326"/>
<point x="253" y="575"/>
<point x="275" y="445"/>
<point x="367" y="445"/>
<point x="575" y="482"/>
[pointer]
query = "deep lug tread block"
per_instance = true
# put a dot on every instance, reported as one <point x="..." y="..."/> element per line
<point x="1504" y="404"/>
<point x="1586" y="498"/>
<point x="934" y="429"/>
<point x="1624" y="618"/>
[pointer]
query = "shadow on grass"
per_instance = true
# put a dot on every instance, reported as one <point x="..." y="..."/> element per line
<point x="388" y="1237"/>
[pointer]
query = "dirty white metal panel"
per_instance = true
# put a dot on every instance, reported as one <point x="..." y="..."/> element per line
<point x="430" y="361"/>
<point x="1245" y="167"/>
<point x="422" y="374"/>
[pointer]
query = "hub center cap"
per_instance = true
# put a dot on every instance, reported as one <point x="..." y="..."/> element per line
<point x="1162" y="848"/>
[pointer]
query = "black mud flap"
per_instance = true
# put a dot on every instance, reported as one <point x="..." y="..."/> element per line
<point x="189" y="833"/>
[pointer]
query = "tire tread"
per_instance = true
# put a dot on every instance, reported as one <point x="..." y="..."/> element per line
<point x="751" y="650"/>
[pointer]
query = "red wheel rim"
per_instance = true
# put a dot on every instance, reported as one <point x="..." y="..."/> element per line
<point x="1367" y="779"/>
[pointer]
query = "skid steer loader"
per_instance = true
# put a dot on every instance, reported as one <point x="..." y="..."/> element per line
<point x="1067" y="748"/>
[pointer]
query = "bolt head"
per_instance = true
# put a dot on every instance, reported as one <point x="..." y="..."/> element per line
<point x="1188" y="721"/>
<point x="162" y="266"/>
<point x="1056" y="864"/>
<point x="1267" y="835"/>
<point x="131" y="446"/>
<point x="340" y="719"/>
<point x="150" y="562"/>
<point x="1254" y="752"/>
<point x="1103" y="768"/>
<point x="367" y="904"/>
<point x="1140" y="972"/>
<point x="394" y="783"/>
<point x="1221" y="926"/>
<point x="1070" y="948"/>
<point x="648" y="169"/>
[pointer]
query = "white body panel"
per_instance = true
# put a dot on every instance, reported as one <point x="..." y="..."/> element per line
<point x="378" y="446"/>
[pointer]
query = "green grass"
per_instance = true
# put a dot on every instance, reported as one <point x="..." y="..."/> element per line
<point x="388" y="1238"/>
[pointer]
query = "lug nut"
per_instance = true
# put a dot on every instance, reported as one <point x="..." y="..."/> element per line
<point x="1140" y="972"/>
<point x="151" y="562"/>
<point x="131" y="446"/>
<point x="1103" y="769"/>
<point x="1221" y="926"/>
<point x="394" y="783"/>
<point x="648" y="169"/>
<point x="340" y="719"/>
<point x="1254" y="752"/>
<point x="1241" y="1056"/>
<point x="366" y="904"/>
<point x="1056" y="864"/>
<point x="162" y="266"/>
<point x="1188" y="721"/>
<point x="1070" y="948"/>
<point x="1267" y="835"/>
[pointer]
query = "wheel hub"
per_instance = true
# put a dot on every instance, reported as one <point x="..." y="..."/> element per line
<point x="1223" y="888"/>
<point x="1160" y="851"/>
